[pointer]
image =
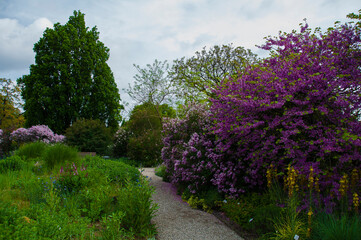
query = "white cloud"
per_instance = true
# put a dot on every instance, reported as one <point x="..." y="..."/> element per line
<point x="17" y="41"/>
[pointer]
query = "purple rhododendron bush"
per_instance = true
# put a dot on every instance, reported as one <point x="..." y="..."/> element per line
<point x="299" y="107"/>
<point x="188" y="151"/>
<point x="36" y="133"/>
<point x="296" y="113"/>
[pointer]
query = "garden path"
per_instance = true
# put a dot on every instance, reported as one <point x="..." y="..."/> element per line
<point x="176" y="220"/>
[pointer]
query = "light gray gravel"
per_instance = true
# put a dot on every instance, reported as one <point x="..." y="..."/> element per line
<point x="175" y="220"/>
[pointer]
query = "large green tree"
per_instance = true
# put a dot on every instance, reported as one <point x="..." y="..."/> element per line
<point x="197" y="76"/>
<point x="70" y="78"/>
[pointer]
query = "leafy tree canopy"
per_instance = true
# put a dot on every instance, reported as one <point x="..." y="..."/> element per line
<point x="10" y="116"/>
<point x="145" y="117"/>
<point x="70" y="78"/>
<point x="152" y="87"/>
<point x="199" y="75"/>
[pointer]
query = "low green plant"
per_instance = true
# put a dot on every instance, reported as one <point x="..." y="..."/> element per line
<point x="128" y="161"/>
<point x="59" y="154"/>
<point x="115" y="171"/>
<point x="72" y="177"/>
<point x="160" y="170"/>
<point x="332" y="227"/>
<point x="96" y="202"/>
<point x="290" y="224"/>
<point x="92" y="198"/>
<point x="196" y="203"/>
<point x="12" y="163"/>
<point x="30" y="151"/>
<point x="112" y="227"/>
<point x="135" y="201"/>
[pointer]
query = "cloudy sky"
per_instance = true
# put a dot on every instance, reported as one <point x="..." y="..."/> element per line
<point x="140" y="31"/>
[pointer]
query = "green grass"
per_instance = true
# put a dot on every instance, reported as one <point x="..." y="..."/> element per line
<point x="31" y="151"/>
<point x="88" y="198"/>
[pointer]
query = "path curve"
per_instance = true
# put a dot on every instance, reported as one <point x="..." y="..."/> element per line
<point x="175" y="220"/>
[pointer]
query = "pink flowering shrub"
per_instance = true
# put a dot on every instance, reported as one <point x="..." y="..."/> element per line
<point x="301" y="106"/>
<point x="188" y="150"/>
<point x="36" y="133"/>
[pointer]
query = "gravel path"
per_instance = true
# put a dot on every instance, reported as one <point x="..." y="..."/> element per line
<point x="177" y="221"/>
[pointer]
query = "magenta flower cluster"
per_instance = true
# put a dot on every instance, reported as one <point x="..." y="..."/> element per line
<point x="36" y="133"/>
<point x="300" y="107"/>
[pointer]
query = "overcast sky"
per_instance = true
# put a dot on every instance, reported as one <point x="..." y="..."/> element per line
<point x="140" y="31"/>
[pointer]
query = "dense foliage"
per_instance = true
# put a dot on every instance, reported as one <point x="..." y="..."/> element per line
<point x="70" y="78"/>
<point x="300" y="106"/>
<point x="188" y="150"/>
<point x="142" y="134"/>
<point x="196" y="77"/>
<point x="10" y="117"/>
<point x="89" y="136"/>
<point x="89" y="198"/>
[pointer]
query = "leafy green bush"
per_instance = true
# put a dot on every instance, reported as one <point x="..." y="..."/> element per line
<point x="58" y="154"/>
<point x="13" y="163"/>
<point x="32" y="150"/>
<point x="160" y="171"/>
<point x="135" y="201"/>
<point x="146" y="148"/>
<point x="115" y="171"/>
<point x="72" y="177"/>
<point x="89" y="136"/>
<point x="120" y="142"/>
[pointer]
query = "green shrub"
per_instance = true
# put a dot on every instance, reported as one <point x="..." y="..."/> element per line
<point x="59" y="154"/>
<point x="74" y="176"/>
<point x="160" y="171"/>
<point x="146" y="148"/>
<point x="115" y="171"/>
<point x="135" y="201"/>
<point x="112" y="227"/>
<point x="128" y="161"/>
<point x="120" y="142"/>
<point x="30" y="151"/>
<point x="89" y="136"/>
<point x="97" y="202"/>
<point x="13" y="163"/>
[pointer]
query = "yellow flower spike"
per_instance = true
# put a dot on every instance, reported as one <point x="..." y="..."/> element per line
<point x="269" y="177"/>
<point x="356" y="201"/>
<point x="343" y="185"/>
<point x="317" y="186"/>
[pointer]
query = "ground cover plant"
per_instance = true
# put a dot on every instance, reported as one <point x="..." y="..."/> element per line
<point x="287" y="129"/>
<point x="72" y="198"/>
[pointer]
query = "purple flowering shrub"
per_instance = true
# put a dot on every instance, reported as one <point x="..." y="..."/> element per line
<point x="301" y="106"/>
<point x="36" y="133"/>
<point x="188" y="150"/>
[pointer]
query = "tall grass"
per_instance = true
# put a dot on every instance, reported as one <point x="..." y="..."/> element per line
<point x="331" y="227"/>
<point x="59" y="154"/>
<point x="31" y="151"/>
